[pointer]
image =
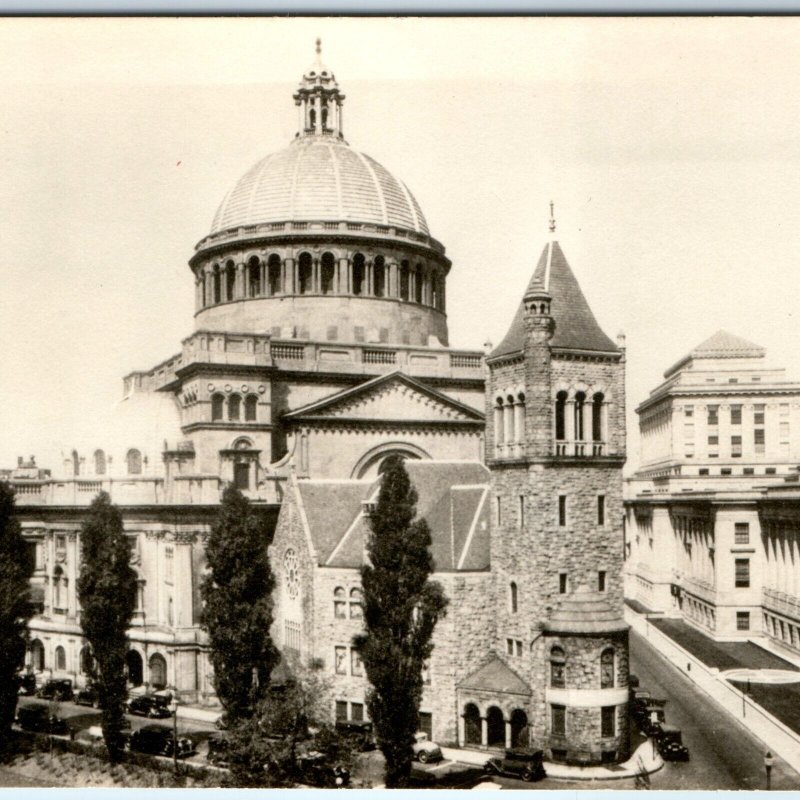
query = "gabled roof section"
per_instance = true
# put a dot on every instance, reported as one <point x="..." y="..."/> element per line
<point x="576" y="326"/>
<point x="393" y="397"/>
<point x="451" y="496"/>
<point x="721" y="345"/>
<point x="495" y="676"/>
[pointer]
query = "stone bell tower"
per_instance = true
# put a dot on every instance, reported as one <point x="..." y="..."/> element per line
<point x="555" y="448"/>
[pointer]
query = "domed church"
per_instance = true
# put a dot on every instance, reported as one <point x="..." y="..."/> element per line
<point x="320" y="348"/>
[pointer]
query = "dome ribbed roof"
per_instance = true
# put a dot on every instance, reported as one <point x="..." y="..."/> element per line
<point x="585" y="611"/>
<point x="317" y="179"/>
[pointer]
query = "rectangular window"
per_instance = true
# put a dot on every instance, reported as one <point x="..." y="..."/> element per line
<point x="736" y="446"/>
<point x="725" y="471"/>
<point x="341" y="710"/>
<point x="292" y="635"/>
<point x="736" y="415"/>
<point x="499" y="511"/>
<point x="601" y="580"/>
<point x="356" y="667"/>
<point x="607" y="720"/>
<point x="357" y="712"/>
<point x="562" y="583"/>
<point x="713" y="415"/>
<point x="758" y="414"/>
<point x="742" y="575"/>
<point x="340" y="660"/>
<point x="688" y="450"/>
<point x="557" y="679"/>
<point x="733" y="380"/>
<point x="742" y="620"/>
<point x="770" y="471"/>
<point x="601" y="509"/>
<point x="510" y="647"/>
<point x="759" y="440"/>
<point x="426" y="723"/>
<point x="741" y="533"/>
<point x="784" y="430"/>
<point x="518" y="645"/>
<point x="562" y="510"/>
<point x="558" y="720"/>
<point x="522" y="511"/>
<point x="703" y="471"/>
<point x="688" y="411"/>
<point x="748" y="471"/>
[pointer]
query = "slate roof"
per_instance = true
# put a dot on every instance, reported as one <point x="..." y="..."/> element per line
<point x="585" y="611"/>
<point x="721" y="345"/>
<point x="452" y="497"/>
<point x="495" y="676"/>
<point x="576" y="327"/>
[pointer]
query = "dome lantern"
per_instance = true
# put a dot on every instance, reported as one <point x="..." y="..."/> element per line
<point x="319" y="101"/>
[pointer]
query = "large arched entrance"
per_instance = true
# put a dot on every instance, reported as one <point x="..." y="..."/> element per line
<point x="495" y="728"/>
<point x="133" y="661"/>
<point x="519" y="728"/>
<point x="158" y="671"/>
<point x="472" y="724"/>
<point x="37" y="655"/>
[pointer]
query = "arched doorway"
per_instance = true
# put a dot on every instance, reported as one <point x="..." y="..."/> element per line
<point x="158" y="671"/>
<point x="472" y="724"/>
<point x="37" y="655"/>
<point x="133" y="661"/>
<point x="519" y="728"/>
<point x="495" y="728"/>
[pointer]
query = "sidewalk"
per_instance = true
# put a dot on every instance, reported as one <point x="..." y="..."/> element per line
<point x="643" y="759"/>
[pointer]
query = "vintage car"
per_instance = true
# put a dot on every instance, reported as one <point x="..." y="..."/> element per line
<point x="88" y="697"/>
<point x="670" y="744"/>
<point x="38" y="717"/>
<point x="360" y="731"/>
<point x="222" y="723"/>
<point x="650" y="716"/>
<point x="149" y="705"/>
<point x="525" y="764"/>
<point x="425" y="750"/>
<point x="56" y="689"/>
<point x="26" y="683"/>
<point x="314" y="769"/>
<point x="218" y="750"/>
<point x="158" y="740"/>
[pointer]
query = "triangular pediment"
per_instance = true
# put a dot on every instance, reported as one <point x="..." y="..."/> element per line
<point x="495" y="676"/>
<point x="395" y="397"/>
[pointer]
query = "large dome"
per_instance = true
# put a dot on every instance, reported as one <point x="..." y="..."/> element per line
<point x="319" y="179"/>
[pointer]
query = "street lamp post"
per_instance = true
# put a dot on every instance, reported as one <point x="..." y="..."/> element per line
<point x="173" y="707"/>
<point x="768" y="761"/>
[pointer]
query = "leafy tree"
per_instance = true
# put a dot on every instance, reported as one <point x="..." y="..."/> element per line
<point x="107" y="594"/>
<point x="401" y="608"/>
<point x="16" y="568"/>
<point x="291" y="719"/>
<point x="238" y="605"/>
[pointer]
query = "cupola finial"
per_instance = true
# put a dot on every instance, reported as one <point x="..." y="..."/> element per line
<point x="552" y="219"/>
<point x="319" y="50"/>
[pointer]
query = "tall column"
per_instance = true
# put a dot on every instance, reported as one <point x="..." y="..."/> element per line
<point x="345" y="280"/>
<point x="182" y="559"/>
<point x="508" y="413"/>
<point x="263" y="281"/>
<point x="241" y="280"/>
<point x="369" y="288"/>
<point x="484" y="732"/>
<point x="318" y="120"/>
<point x="588" y="407"/>
<point x="391" y="283"/>
<point x="569" y="420"/>
<point x="315" y="281"/>
<point x="508" y="733"/>
<point x="519" y="421"/>
<point x="289" y="270"/>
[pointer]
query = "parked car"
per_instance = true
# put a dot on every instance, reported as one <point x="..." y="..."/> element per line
<point x="38" y="717"/>
<point x="149" y="705"/>
<point x="157" y="740"/>
<point x="425" y="750"/>
<point x="88" y="697"/>
<point x="314" y="769"/>
<point x="26" y="683"/>
<point x="670" y="744"/>
<point x="92" y="735"/>
<point x="218" y="749"/>
<point x="525" y="764"/>
<point x="650" y="716"/>
<point x="56" y="689"/>
<point x="360" y="731"/>
<point x="633" y="681"/>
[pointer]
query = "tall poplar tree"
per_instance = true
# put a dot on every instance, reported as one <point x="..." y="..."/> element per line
<point x="237" y="591"/>
<point x="16" y="568"/>
<point x="401" y="608"/>
<point x="107" y="594"/>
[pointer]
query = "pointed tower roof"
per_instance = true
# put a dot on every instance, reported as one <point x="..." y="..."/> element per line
<point x="576" y="327"/>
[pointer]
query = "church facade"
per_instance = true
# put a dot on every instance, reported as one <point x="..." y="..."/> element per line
<point x="321" y="348"/>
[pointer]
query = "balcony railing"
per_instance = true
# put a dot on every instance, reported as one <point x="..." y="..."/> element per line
<point x="781" y="602"/>
<point x="580" y="448"/>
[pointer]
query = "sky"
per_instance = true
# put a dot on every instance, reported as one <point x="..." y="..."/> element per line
<point x="669" y="147"/>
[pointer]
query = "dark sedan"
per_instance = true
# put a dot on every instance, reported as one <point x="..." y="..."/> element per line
<point x="148" y="705"/>
<point x="525" y="764"/>
<point x="157" y="740"/>
<point x="39" y="718"/>
<point x="56" y="689"/>
<point x="88" y="697"/>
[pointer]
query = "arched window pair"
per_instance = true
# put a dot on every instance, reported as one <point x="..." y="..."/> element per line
<point x="509" y="419"/>
<point x="341" y="603"/>
<point x="234" y="408"/>
<point x="558" y="668"/>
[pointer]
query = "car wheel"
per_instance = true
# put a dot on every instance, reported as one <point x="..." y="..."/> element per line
<point x="423" y="757"/>
<point x="527" y="775"/>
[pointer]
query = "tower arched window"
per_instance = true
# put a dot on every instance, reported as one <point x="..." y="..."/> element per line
<point x="519" y="417"/>
<point x="304" y="273"/>
<point x="327" y="273"/>
<point x="513" y="597"/>
<point x="76" y="463"/>
<point x="274" y="269"/>
<point x="254" y="277"/>
<point x="418" y="283"/>
<point x="234" y="408"/>
<point x="217" y="406"/>
<point x="216" y="283"/>
<point x="607" y="669"/>
<point x="339" y="603"/>
<point x="597" y="417"/>
<point x="404" y="278"/>
<point x="499" y="434"/>
<point x="134" y="462"/>
<point x="358" y="273"/>
<point x="230" y="280"/>
<point x="250" y="408"/>
<point x="379" y="277"/>
<point x="312" y="118"/>
<point x="508" y="410"/>
<point x="580" y="403"/>
<point x="324" y="117"/>
<point x="99" y="462"/>
<point x="435" y="290"/>
<point x="558" y="667"/>
<point x="561" y="420"/>
<point x="356" y="611"/>
<point x="61" y="659"/>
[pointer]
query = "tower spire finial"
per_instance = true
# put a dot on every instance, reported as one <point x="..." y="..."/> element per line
<point x="552" y="219"/>
<point x="318" y="50"/>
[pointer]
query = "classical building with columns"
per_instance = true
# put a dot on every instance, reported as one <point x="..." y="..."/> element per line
<point x="320" y="349"/>
<point x="712" y="512"/>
